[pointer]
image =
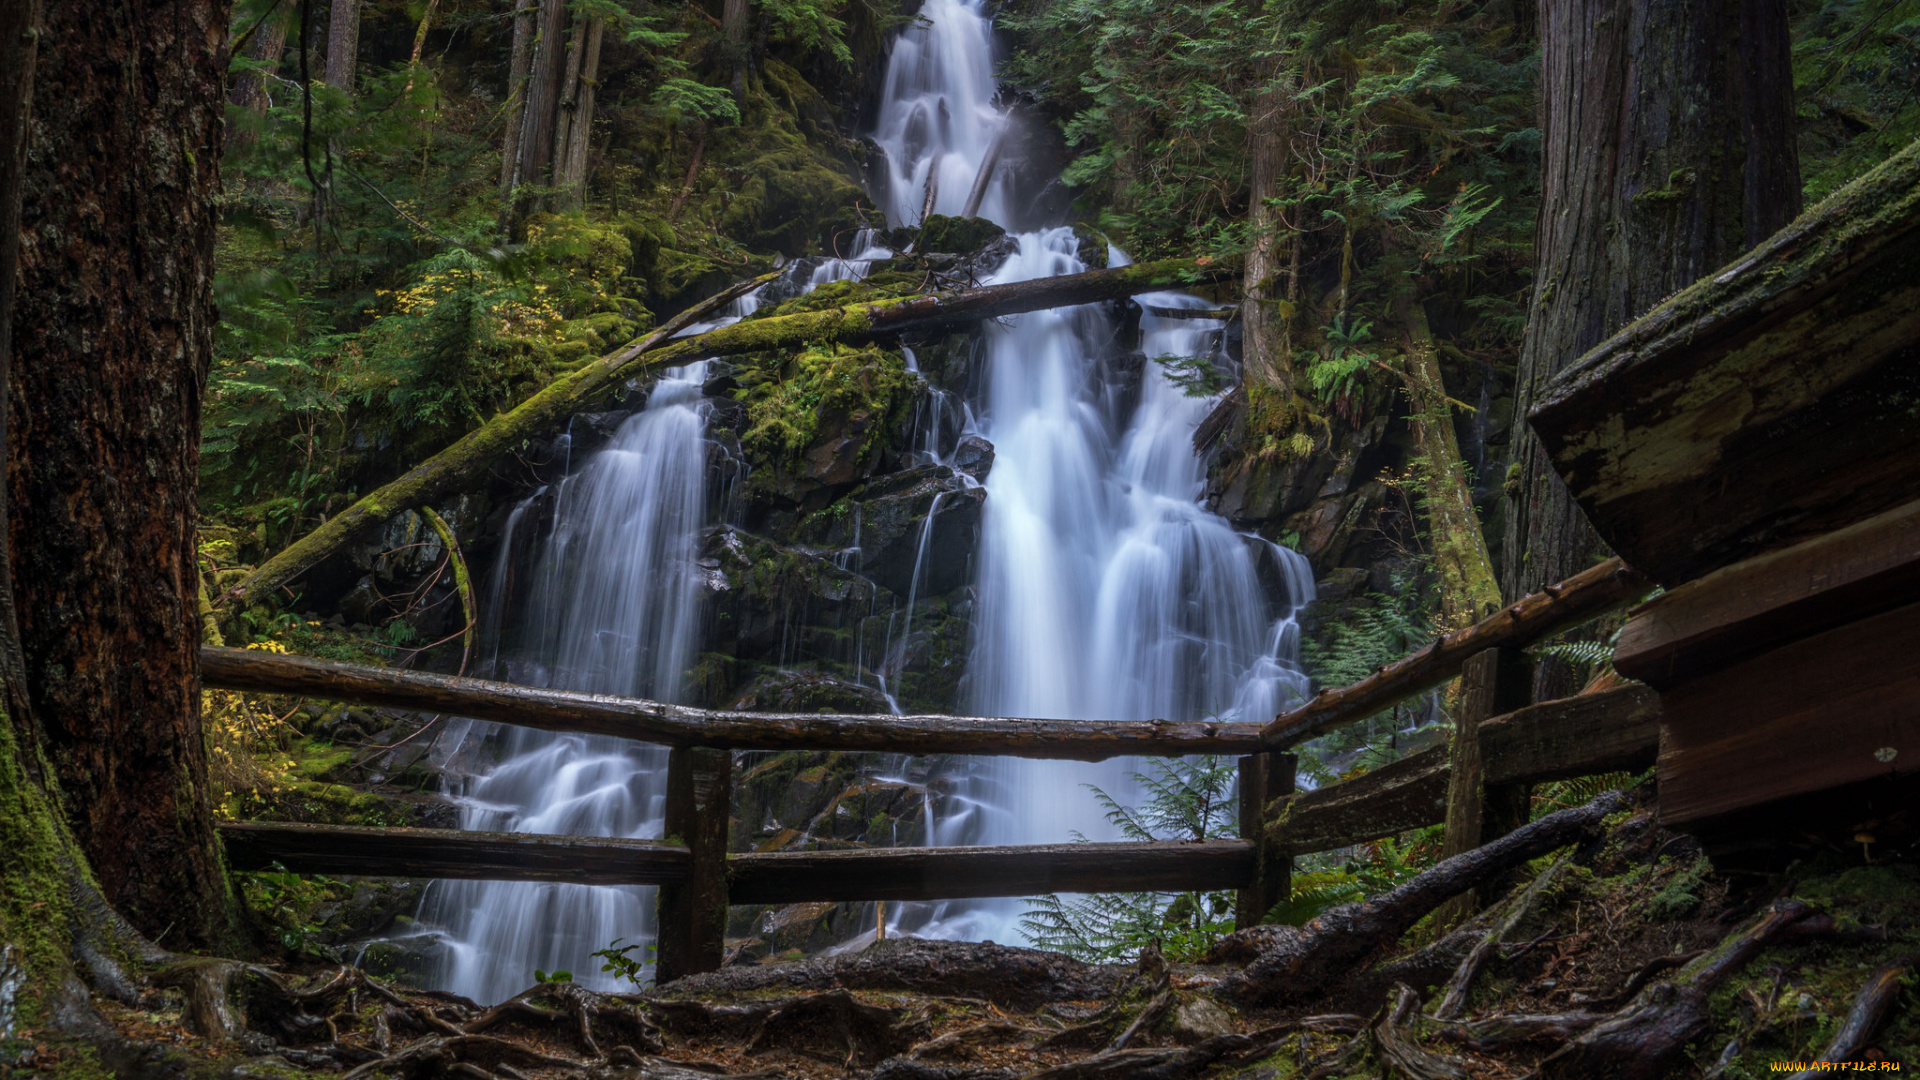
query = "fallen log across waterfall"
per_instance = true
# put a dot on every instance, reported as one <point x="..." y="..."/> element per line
<point x="466" y="462"/>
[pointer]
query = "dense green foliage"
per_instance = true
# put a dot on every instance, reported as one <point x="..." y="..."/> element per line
<point x="373" y="309"/>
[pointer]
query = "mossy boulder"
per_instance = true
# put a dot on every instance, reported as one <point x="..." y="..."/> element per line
<point x="820" y="420"/>
<point x="958" y="236"/>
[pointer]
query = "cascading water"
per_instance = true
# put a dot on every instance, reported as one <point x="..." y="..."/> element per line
<point x="614" y="608"/>
<point x="1104" y="589"/>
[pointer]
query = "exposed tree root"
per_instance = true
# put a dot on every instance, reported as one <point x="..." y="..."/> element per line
<point x="1514" y="910"/>
<point x="1400" y="1049"/>
<point x="1869" y="1009"/>
<point x="1645" y="1037"/>
<point x="1305" y="962"/>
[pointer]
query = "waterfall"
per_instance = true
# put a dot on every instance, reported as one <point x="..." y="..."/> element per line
<point x="613" y="608"/>
<point x="1105" y="590"/>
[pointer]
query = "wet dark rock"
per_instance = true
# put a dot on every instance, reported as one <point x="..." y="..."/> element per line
<point x="375" y="906"/>
<point x="959" y="236"/>
<point x="591" y="431"/>
<point x="781" y="604"/>
<point x="1332" y="530"/>
<point x="888" y="519"/>
<point x="1342" y="583"/>
<point x="973" y="455"/>
<point x="809" y="692"/>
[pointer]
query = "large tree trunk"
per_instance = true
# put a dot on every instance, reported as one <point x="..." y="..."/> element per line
<point x="1669" y="149"/>
<point x="343" y="43"/>
<point x="571" y="154"/>
<point x="1266" y="351"/>
<point x="518" y="70"/>
<point x="735" y="17"/>
<point x="114" y="309"/>
<point x="542" y="108"/>
<point x="269" y="44"/>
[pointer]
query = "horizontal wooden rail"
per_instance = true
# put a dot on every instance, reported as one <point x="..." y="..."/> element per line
<point x="1618" y="729"/>
<point x="775" y="878"/>
<point x="680" y="725"/>
<point x="953" y="873"/>
<point x="1577" y="736"/>
<point x="1589" y="594"/>
<point x="452" y="853"/>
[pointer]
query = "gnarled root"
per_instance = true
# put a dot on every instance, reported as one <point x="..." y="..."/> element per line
<point x="1298" y="965"/>
<point x="1642" y="1040"/>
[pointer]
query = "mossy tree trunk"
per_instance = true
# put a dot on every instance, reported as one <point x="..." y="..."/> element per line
<point x="114" y="308"/>
<point x="1668" y="150"/>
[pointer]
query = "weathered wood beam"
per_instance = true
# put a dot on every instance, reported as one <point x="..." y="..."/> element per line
<point x="1615" y="730"/>
<point x="1763" y="405"/>
<point x="467" y="461"/>
<point x="1743" y="610"/>
<point x="1591" y="593"/>
<point x="679" y="725"/>
<point x="1831" y="710"/>
<point x="451" y="853"/>
<point x="774" y="878"/>
<point x="1578" y="736"/>
<point x="958" y="872"/>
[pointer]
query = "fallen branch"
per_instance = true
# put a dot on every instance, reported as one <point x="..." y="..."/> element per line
<point x="1304" y="961"/>
<point x="466" y="462"/>
<point x="1869" y="1009"/>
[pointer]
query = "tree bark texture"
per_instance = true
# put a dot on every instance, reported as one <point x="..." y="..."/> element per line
<point x="268" y="46"/>
<point x="1669" y="149"/>
<point x="343" y="43"/>
<point x="519" y="68"/>
<point x="543" y="93"/>
<point x="576" y="127"/>
<point x="19" y="46"/>
<point x="1267" y="354"/>
<point x="114" y="321"/>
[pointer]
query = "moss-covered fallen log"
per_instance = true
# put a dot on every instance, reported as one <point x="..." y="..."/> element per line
<point x="466" y="462"/>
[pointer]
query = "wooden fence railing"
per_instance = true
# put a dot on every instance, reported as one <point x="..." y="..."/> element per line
<point x="698" y="879"/>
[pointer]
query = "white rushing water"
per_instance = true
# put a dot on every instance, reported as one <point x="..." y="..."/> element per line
<point x="613" y="608"/>
<point x="1104" y="589"/>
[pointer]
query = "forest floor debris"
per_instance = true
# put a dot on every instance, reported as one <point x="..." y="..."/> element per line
<point x="1625" y="955"/>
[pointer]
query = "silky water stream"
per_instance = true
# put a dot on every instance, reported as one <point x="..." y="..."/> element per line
<point x="1103" y="590"/>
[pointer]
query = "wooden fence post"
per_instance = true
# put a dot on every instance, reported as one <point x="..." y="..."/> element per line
<point x="1494" y="683"/>
<point x="1263" y="778"/>
<point x="1506" y="807"/>
<point x="692" y="917"/>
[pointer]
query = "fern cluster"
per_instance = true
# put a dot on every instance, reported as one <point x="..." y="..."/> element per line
<point x="1186" y="799"/>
